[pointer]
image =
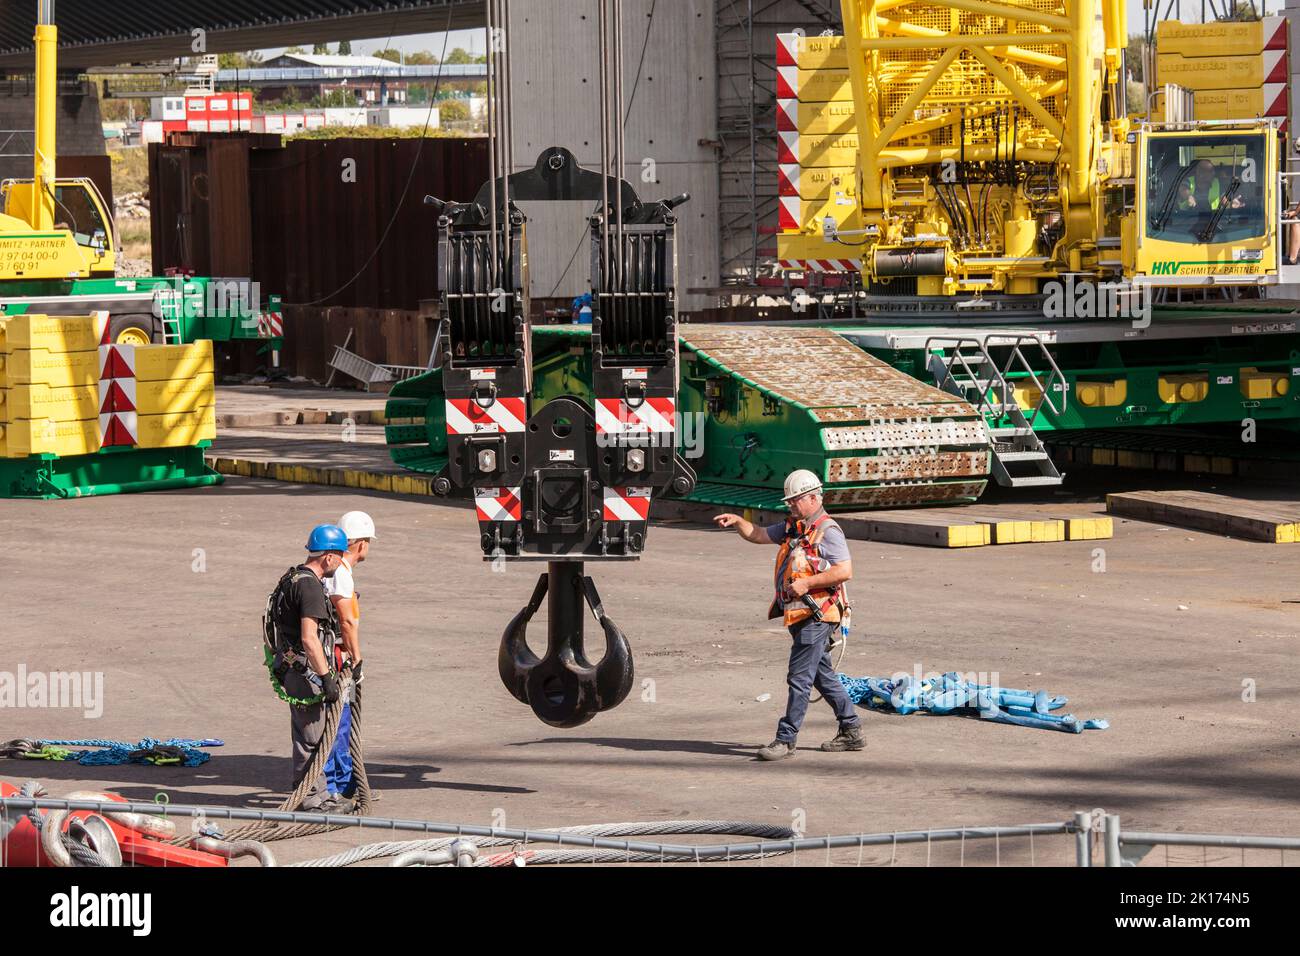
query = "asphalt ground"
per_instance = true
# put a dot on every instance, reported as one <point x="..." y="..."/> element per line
<point x="1184" y="641"/>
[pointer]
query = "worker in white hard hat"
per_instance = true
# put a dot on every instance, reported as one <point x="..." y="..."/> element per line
<point x="342" y="592"/>
<point x="812" y="568"/>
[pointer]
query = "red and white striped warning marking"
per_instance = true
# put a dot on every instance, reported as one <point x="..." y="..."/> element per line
<point x="119" y="423"/>
<point x="821" y="265"/>
<point x="788" y="179"/>
<point x="790" y="213"/>
<point x="655" y="415"/>
<point x="1275" y="65"/>
<point x="270" y="325"/>
<point x="787" y="114"/>
<point x="787" y="82"/>
<point x="497" y="504"/>
<point x="466" y="417"/>
<point x="787" y="49"/>
<point x="787" y="146"/>
<point x="627" y="504"/>
<point x="1275" y="99"/>
<point x="1275" y="33"/>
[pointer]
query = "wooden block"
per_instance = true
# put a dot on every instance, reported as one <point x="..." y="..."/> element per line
<point x="410" y="485"/>
<point x="375" y="481"/>
<point x="1136" y="459"/>
<point x="1020" y="529"/>
<point x="1095" y="528"/>
<point x="1218" y="514"/>
<point x="927" y="528"/>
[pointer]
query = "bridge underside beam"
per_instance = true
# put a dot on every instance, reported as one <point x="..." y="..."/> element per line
<point x="92" y="33"/>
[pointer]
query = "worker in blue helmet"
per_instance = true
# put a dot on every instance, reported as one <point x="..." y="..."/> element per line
<point x="302" y="630"/>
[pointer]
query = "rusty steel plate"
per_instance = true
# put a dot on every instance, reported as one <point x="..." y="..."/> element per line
<point x="944" y="464"/>
<point x="916" y="434"/>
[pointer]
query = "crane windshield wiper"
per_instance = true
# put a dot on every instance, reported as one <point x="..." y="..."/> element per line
<point x="1212" y="226"/>
<point x="1167" y="200"/>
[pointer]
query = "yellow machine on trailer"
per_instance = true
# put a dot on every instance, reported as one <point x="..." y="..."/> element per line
<point x="993" y="152"/>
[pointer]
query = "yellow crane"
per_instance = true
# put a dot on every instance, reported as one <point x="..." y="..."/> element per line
<point x="991" y="151"/>
<point x="52" y="228"/>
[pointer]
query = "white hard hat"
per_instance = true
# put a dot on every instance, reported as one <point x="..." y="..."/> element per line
<point x="798" y="483"/>
<point x="357" y="525"/>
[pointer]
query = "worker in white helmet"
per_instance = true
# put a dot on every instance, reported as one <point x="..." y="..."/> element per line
<point x="812" y="567"/>
<point x="341" y="590"/>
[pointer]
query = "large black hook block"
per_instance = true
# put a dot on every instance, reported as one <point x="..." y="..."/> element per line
<point x="564" y="689"/>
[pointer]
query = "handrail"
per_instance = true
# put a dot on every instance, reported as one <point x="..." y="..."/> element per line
<point x="999" y="374"/>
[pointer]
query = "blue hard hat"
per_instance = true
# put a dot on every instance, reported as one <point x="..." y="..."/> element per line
<point x="327" y="537"/>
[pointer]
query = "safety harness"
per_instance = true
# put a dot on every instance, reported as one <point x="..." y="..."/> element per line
<point x="800" y="557"/>
<point x="281" y="653"/>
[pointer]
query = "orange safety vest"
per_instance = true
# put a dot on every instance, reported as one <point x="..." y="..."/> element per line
<point x="800" y="557"/>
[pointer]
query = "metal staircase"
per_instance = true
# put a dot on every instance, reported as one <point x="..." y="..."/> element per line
<point x="963" y="366"/>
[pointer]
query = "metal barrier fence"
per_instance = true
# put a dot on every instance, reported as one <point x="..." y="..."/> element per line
<point x="1096" y="835"/>
<point x="1129" y="848"/>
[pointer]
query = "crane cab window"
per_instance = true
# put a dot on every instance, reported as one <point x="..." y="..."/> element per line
<point x="76" y="211"/>
<point x="1202" y="189"/>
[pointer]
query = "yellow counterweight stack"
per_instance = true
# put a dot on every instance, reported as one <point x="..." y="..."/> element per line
<point x="1235" y="70"/>
<point x="817" y="153"/>
<point x="65" y="391"/>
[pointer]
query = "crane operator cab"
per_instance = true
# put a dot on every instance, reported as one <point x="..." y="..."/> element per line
<point x="79" y="246"/>
<point x="1207" y="206"/>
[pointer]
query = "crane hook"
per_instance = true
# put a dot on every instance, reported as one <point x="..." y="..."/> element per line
<point x="563" y="688"/>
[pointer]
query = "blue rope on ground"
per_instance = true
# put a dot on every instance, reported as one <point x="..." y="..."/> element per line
<point x="180" y="751"/>
<point x="950" y="694"/>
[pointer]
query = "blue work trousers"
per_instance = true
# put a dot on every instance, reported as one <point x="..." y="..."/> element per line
<point x="338" y="768"/>
<point x="810" y="666"/>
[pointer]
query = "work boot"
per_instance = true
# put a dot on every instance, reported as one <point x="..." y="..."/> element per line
<point x="849" y="738"/>
<point x="336" y="803"/>
<point x="776" y="750"/>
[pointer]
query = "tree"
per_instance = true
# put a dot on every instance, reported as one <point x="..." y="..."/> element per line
<point x="390" y="54"/>
<point x="1134" y="55"/>
<point x="453" y="111"/>
<point x="238" y="61"/>
<point x="459" y="57"/>
<point x="334" y="99"/>
<point x="1135" y="98"/>
<point x="421" y="58"/>
<point x="320" y="49"/>
<point x="296" y="49"/>
<point x="345" y="48"/>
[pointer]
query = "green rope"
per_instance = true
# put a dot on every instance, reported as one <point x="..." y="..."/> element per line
<point x="280" y="692"/>
<point x="47" y="752"/>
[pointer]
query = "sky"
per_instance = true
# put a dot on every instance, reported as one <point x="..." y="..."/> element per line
<point x="473" y="41"/>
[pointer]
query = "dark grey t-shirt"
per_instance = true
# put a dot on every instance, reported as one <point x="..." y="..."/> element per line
<point x="835" y="549"/>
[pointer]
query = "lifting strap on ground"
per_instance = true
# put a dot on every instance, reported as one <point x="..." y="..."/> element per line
<point x="951" y="694"/>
